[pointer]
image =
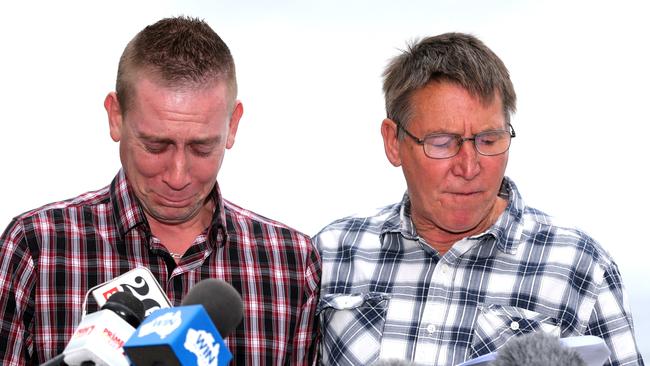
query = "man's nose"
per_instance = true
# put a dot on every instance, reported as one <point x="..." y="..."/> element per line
<point x="467" y="160"/>
<point x="177" y="176"/>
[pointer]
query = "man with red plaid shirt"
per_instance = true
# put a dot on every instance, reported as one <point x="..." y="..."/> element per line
<point x="174" y="113"/>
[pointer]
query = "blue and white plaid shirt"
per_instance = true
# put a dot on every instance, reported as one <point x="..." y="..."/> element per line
<point x="387" y="294"/>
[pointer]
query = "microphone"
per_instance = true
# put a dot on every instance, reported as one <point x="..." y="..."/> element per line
<point x="141" y="283"/>
<point x="191" y="334"/>
<point x="99" y="338"/>
<point x="138" y="282"/>
<point x="537" y="349"/>
<point x="221" y="301"/>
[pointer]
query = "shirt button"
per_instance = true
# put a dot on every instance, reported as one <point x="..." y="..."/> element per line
<point x="431" y="328"/>
<point x="514" y="325"/>
<point x="445" y="269"/>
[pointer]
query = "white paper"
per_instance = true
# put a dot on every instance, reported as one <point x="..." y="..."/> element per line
<point x="591" y="349"/>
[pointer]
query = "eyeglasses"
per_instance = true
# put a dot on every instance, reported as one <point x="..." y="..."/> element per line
<point x="447" y="145"/>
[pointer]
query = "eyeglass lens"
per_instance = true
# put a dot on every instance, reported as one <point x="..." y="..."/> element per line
<point x="448" y="145"/>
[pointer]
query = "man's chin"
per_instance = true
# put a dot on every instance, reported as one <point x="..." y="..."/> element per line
<point x="469" y="225"/>
<point x="169" y="216"/>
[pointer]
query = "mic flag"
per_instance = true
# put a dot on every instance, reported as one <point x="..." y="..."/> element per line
<point x="141" y="283"/>
<point x="178" y="336"/>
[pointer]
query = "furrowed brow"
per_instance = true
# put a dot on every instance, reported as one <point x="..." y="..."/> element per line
<point x="206" y="141"/>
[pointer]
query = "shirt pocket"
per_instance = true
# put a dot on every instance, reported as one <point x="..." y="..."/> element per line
<point x="496" y="324"/>
<point x="352" y="326"/>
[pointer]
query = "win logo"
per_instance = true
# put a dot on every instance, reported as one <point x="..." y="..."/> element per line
<point x="163" y="325"/>
<point x="203" y="345"/>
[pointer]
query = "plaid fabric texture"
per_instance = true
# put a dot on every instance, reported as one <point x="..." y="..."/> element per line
<point x="51" y="256"/>
<point x="387" y="294"/>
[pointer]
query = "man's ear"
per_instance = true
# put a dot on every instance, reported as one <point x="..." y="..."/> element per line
<point x="114" y="111"/>
<point x="391" y="142"/>
<point x="234" y="123"/>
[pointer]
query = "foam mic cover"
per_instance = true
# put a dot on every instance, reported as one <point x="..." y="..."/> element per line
<point x="220" y="300"/>
<point x="536" y="349"/>
<point x="127" y="307"/>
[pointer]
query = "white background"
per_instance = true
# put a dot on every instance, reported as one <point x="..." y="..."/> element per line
<point x="309" y="149"/>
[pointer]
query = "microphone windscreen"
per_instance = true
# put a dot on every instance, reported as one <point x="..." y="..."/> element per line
<point x="221" y="301"/>
<point x="536" y="349"/>
<point x="127" y="306"/>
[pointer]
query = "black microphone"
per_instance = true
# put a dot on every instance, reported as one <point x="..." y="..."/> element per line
<point x="99" y="338"/>
<point x="191" y="334"/>
<point x="536" y="349"/>
<point x="222" y="302"/>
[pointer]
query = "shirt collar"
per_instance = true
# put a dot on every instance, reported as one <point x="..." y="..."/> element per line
<point x="128" y="212"/>
<point x="507" y="230"/>
<point x="217" y="233"/>
<point x="126" y="209"/>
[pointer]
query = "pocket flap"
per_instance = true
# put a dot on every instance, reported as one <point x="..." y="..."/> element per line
<point x="350" y="301"/>
<point x="496" y="324"/>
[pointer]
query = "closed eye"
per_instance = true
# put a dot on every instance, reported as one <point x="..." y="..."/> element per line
<point x="490" y="138"/>
<point x="156" y="148"/>
<point x="440" y="140"/>
<point x="203" y="149"/>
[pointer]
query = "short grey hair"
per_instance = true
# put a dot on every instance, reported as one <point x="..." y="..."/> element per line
<point x="454" y="57"/>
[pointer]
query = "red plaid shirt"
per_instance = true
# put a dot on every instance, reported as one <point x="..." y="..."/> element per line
<point x="50" y="257"/>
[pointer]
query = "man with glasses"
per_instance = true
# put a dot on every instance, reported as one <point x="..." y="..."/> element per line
<point x="460" y="265"/>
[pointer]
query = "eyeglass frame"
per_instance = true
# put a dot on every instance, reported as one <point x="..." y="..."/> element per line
<point x="461" y="140"/>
